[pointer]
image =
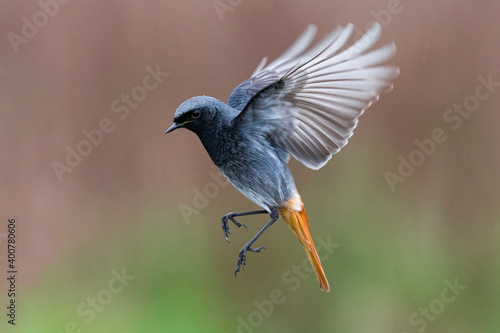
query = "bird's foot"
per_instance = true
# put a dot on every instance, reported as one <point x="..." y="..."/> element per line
<point x="225" y="225"/>
<point x="242" y="257"/>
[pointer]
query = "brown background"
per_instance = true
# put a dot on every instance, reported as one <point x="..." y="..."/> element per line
<point x="123" y="198"/>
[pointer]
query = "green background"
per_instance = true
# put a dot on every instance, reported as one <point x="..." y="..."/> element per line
<point x="396" y="252"/>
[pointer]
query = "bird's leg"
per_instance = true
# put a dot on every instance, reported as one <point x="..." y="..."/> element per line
<point x="242" y="257"/>
<point x="230" y="216"/>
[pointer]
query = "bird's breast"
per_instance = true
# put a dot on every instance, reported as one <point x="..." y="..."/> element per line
<point x="259" y="173"/>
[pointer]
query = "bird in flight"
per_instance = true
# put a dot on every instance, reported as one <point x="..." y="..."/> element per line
<point x="306" y="104"/>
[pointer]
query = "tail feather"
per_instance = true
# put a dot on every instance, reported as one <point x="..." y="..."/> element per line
<point x="299" y="223"/>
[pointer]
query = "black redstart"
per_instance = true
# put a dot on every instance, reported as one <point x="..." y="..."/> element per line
<point x="306" y="104"/>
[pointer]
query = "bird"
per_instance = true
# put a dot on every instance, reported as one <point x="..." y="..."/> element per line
<point x="304" y="104"/>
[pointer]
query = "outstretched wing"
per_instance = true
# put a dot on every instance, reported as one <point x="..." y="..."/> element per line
<point x="308" y="102"/>
<point x="263" y="77"/>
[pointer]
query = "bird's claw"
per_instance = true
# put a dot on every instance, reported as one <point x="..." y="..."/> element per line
<point x="225" y="225"/>
<point x="242" y="257"/>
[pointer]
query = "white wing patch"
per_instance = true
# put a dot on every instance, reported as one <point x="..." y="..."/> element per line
<point x="324" y="91"/>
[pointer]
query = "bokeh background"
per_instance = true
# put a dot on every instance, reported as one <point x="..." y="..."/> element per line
<point x="119" y="210"/>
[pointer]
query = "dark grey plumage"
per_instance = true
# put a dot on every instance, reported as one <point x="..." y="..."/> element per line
<point x="255" y="167"/>
<point x="305" y="104"/>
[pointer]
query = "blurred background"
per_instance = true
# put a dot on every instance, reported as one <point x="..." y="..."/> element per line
<point x="125" y="236"/>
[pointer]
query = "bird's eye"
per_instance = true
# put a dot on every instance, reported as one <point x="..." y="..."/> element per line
<point x="196" y="114"/>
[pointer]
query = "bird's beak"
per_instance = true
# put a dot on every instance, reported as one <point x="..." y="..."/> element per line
<point x="174" y="127"/>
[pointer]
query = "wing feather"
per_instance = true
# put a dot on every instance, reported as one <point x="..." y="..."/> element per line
<point x="307" y="102"/>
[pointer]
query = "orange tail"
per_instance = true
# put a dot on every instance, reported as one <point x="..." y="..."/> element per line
<point x="295" y="215"/>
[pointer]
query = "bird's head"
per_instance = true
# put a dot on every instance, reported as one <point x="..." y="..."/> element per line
<point x="196" y="114"/>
